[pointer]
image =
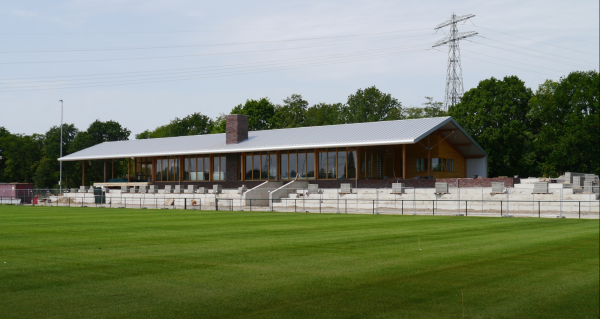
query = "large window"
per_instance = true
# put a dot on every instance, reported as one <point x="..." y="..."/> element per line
<point x="337" y="163"/>
<point x="167" y="168"/>
<point x="261" y="166"/>
<point x="142" y="169"/>
<point x="422" y="165"/>
<point x="298" y="164"/>
<point x="196" y="168"/>
<point x="442" y="165"/>
<point x="371" y="164"/>
<point x="219" y="165"/>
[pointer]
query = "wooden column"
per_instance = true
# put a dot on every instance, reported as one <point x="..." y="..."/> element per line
<point x="112" y="167"/>
<point x="404" y="161"/>
<point x="243" y="166"/>
<point x="153" y="169"/>
<point x="128" y="169"/>
<point x="278" y="160"/>
<point x="210" y="167"/>
<point x="428" y="157"/>
<point x="181" y="167"/>
<point x="105" y="170"/>
<point x="83" y="173"/>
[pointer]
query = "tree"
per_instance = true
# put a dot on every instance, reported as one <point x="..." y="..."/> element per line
<point x="21" y="155"/>
<point x="193" y="124"/>
<point x="495" y="115"/>
<point x="567" y="123"/>
<point x="430" y="109"/>
<point x="98" y="132"/>
<point x="260" y="113"/>
<point x="47" y="173"/>
<point x="324" y="114"/>
<point x="292" y="113"/>
<point x="219" y="124"/>
<point x="370" y="105"/>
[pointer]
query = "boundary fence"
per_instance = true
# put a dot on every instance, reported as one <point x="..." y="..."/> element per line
<point x="413" y="206"/>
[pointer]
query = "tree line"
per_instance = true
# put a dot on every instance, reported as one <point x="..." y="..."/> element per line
<point x="543" y="133"/>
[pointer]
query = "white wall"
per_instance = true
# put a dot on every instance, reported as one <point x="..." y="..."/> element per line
<point x="477" y="166"/>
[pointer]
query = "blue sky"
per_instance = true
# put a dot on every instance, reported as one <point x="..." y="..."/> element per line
<point x="143" y="63"/>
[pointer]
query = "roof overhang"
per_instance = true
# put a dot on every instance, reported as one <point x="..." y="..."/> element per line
<point x="457" y="137"/>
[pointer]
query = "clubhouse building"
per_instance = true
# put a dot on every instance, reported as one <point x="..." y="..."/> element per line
<point x="364" y="154"/>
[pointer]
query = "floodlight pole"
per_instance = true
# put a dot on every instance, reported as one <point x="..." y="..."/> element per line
<point x="61" y="143"/>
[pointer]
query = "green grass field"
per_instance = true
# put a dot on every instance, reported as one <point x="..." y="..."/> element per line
<point x="117" y="263"/>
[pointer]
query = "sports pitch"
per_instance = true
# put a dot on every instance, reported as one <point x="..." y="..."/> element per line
<point x="118" y="263"/>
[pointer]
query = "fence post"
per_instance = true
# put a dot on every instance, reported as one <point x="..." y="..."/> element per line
<point x="433" y="207"/>
<point x="403" y="207"/>
<point x="579" y="209"/>
<point x="295" y="201"/>
<point x="319" y="205"/>
<point x="373" y="207"/>
<point x="500" y="208"/>
<point x="539" y="211"/>
<point x="466" y="211"/>
<point x="184" y="204"/>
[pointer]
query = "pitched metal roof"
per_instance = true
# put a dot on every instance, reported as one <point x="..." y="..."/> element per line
<point x="343" y="135"/>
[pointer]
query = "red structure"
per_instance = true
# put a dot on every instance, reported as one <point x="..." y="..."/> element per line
<point x="23" y="191"/>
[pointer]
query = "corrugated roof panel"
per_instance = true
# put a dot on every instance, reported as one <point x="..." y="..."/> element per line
<point x="372" y="133"/>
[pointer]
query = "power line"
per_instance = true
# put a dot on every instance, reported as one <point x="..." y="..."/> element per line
<point x="491" y="56"/>
<point x="516" y="36"/>
<point x="182" y="56"/>
<point x="206" y="30"/>
<point x="535" y="56"/>
<point x="207" y="45"/>
<point x="560" y="56"/>
<point x="501" y="64"/>
<point x="238" y="65"/>
<point x="214" y="75"/>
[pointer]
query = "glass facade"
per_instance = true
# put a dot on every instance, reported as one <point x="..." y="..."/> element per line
<point x="442" y="165"/>
<point x="142" y="169"/>
<point x="422" y="165"/>
<point x="371" y="164"/>
<point x="297" y="164"/>
<point x="196" y="168"/>
<point x="337" y="163"/>
<point x="167" y="169"/>
<point x="260" y="166"/>
<point x="219" y="166"/>
<point x="327" y="164"/>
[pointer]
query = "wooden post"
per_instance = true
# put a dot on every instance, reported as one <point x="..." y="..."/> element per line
<point x="278" y="160"/>
<point x="112" y="167"/>
<point x="105" y="170"/>
<point x="83" y="173"/>
<point x="181" y="167"/>
<point x="153" y="169"/>
<point x="210" y="167"/>
<point x="404" y="161"/>
<point x="243" y="166"/>
<point x="128" y="169"/>
<point x="428" y="162"/>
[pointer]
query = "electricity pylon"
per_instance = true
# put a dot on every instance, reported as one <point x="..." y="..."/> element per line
<point x="454" y="82"/>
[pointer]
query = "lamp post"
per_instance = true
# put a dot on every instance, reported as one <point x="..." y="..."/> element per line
<point x="61" y="142"/>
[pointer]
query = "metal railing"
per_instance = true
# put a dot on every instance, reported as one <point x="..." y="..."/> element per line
<point x="318" y="204"/>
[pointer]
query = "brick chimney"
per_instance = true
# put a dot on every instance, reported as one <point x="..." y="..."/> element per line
<point x="237" y="128"/>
